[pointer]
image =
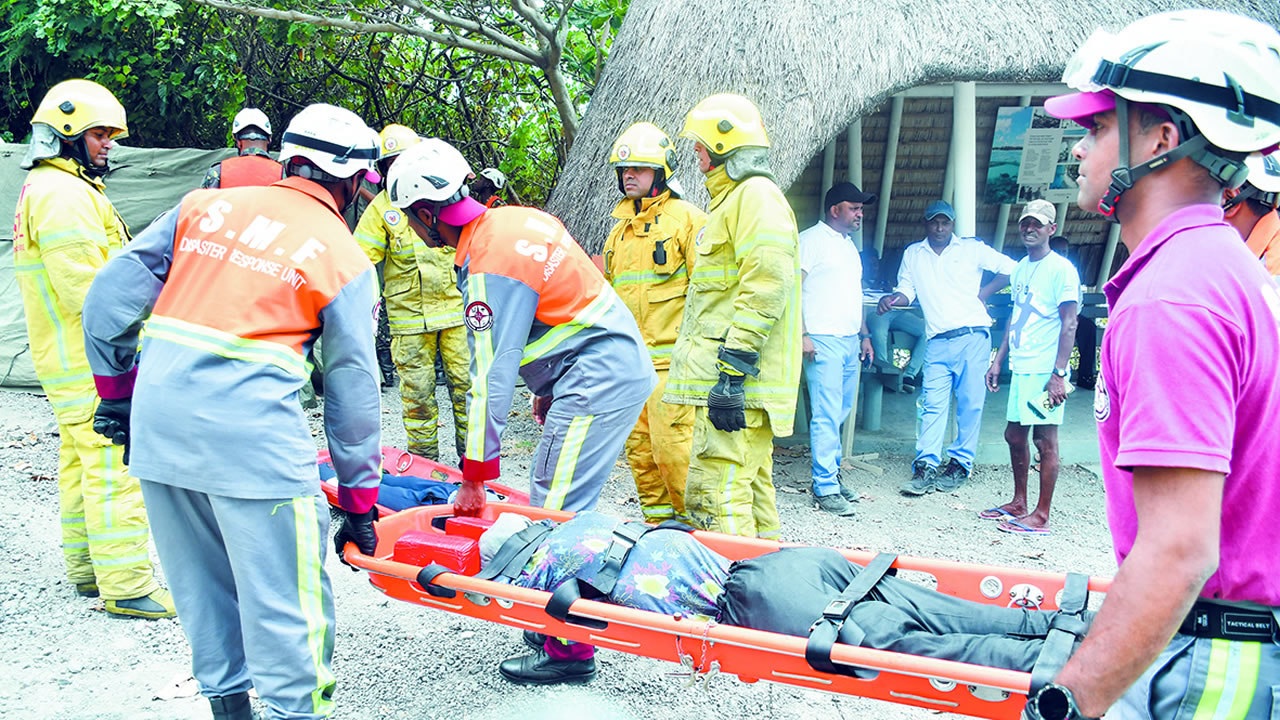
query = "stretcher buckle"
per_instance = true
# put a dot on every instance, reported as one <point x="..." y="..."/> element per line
<point x="838" y="610"/>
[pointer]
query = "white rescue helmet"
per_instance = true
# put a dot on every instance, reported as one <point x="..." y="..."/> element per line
<point x="248" y="119"/>
<point x="495" y="176"/>
<point x="434" y="173"/>
<point x="333" y="139"/>
<point x="1263" y="183"/>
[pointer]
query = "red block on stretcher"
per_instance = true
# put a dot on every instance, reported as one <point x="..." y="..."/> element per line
<point x="420" y="548"/>
<point x="467" y="526"/>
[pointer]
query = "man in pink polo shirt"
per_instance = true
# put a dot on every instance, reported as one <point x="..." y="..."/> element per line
<point x="1187" y="400"/>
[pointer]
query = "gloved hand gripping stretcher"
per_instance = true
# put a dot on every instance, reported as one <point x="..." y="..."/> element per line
<point x="426" y="556"/>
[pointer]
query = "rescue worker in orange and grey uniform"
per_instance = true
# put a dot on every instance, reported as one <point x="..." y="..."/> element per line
<point x="64" y="231"/>
<point x="648" y="258"/>
<point x="1251" y="210"/>
<point x="236" y="287"/>
<point x="738" y="355"/>
<point x="424" y="309"/>
<point x="253" y="165"/>
<point x="536" y="308"/>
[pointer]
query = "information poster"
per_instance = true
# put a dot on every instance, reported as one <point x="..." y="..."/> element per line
<point x="1031" y="157"/>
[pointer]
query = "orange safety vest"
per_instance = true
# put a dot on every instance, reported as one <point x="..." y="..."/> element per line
<point x="247" y="170"/>
<point x="1264" y="241"/>
<point x="271" y="246"/>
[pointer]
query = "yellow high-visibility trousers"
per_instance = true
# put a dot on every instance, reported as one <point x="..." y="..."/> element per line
<point x="658" y="452"/>
<point x="730" y="485"/>
<point x="415" y="358"/>
<point x="104" y="521"/>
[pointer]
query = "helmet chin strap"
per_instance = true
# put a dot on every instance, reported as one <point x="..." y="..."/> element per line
<point x="1227" y="172"/>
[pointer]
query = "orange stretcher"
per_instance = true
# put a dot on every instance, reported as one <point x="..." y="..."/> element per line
<point x="706" y="649"/>
<point x="402" y="462"/>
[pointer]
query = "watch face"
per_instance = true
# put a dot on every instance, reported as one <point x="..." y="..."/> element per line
<point x="1053" y="703"/>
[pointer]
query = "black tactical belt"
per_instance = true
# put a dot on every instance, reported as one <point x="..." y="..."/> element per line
<point x="1231" y="622"/>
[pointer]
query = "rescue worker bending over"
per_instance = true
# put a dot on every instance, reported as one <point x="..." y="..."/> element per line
<point x="235" y="287"/>
<point x="424" y="309"/>
<point x="647" y="259"/>
<point x="738" y="354"/>
<point x="535" y="306"/>
<point x="253" y="166"/>
<point x="64" y="231"/>
<point x="1251" y="209"/>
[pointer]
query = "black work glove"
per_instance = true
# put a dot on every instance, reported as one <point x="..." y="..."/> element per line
<point x="111" y="420"/>
<point x="357" y="528"/>
<point x="726" y="403"/>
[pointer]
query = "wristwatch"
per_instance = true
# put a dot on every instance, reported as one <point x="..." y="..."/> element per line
<point x="1060" y="372"/>
<point x="1053" y="702"/>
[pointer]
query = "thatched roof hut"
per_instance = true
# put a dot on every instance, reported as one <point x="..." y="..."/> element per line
<point x="815" y="67"/>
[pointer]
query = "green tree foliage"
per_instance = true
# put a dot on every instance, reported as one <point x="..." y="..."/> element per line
<point x="183" y="70"/>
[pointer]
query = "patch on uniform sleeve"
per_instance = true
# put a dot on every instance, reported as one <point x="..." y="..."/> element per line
<point x="479" y="316"/>
<point x="697" y="240"/>
<point x="1101" y="400"/>
<point x="392" y="217"/>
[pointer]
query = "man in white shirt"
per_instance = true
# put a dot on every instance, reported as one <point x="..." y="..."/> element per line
<point x="835" y="336"/>
<point x="945" y="273"/>
<point x="1038" y="342"/>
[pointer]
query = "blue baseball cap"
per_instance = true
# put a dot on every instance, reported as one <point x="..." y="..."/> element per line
<point x="939" y="207"/>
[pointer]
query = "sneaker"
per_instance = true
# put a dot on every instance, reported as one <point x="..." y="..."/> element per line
<point x="922" y="479"/>
<point x="540" y="669"/>
<point x="159" y="604"/>
<point x="953" y="477"/>
<point x="836" y="504"/>
<point x="535" y="640"/>
<point x="848" y="494"/>
<point x="87" y="589"/>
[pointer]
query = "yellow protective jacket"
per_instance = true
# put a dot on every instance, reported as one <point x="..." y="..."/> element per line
<point x="649" y="230"/>
<point x="744" y="294"/>
<point x="64" y="231"/>
<point x="417" y="281"/>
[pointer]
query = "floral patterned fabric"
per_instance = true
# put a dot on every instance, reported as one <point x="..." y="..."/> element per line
<point x="666" y="572"/>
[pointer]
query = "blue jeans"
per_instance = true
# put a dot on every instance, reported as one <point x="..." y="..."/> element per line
<point x="959" y="364"/>
<point x="902" y="320"/>
<point x="832" y="377"/>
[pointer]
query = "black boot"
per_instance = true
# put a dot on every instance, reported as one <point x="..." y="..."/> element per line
<point x="535" y="640"/>
<point x="232" y="707"/>
<point x="540" y="669"/>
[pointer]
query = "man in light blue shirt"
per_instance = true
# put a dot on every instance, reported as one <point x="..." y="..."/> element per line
<point x="1038" y="342"/>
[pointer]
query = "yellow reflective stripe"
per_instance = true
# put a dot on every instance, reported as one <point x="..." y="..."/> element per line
<point x="87" y="399"/>
<point x="783" y="241"/>
<point x="1245" y="679"/>
<point x="107" y="463"/>
<point x="118" y="534"/>
<point x="66" y="378"/>
<point x="28" y="268"/>
<point x="441" y="317"/>
<point x="585" y="318"/>
<point x="117" y="560"/>
<point x="50" y="240"/>
<point x="224" y="344"/>
<point x="82" y="545"/>
<point x="55" y="318"/>
<point x="1230" y="681"/>
<point x="750" y="318"/>
<point x="478" y="407"/>
<point x="703" y="273"/>
<point x="727" y="477"/>
<point x="567" y="463"/>
<point x="311" y="599"/>
<point x="660" y="351"/>
<point x="645" y="276"/>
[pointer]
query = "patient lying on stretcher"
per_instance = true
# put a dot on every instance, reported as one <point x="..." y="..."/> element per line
<point x="669" y="572"/>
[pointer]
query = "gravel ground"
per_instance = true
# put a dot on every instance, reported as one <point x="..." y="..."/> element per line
<point x="65" y="658"/>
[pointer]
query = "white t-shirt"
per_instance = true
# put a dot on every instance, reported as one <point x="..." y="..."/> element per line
<point x="1034" y="326"/>
<point x="831" y="295"/>
<point x="947" y="285"/>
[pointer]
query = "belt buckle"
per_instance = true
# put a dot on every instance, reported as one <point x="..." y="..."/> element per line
<point x="837" y="609"/>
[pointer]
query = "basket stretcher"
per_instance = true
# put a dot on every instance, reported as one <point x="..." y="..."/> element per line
<point x="706" y="649"/>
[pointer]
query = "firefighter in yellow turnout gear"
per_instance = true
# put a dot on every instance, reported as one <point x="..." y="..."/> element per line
<point x="738" y="354"/>
<point x="647" y="258"/>
<point x="424" y="308"/>
<point x="65" y="229"/>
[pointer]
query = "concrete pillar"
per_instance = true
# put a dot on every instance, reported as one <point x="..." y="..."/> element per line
<point x="1062" y="219"/>
<point x="1002" y="226"/>
<point x="1108" y="256"/>
<point x="965" y="142"/>
<point x="828" y="174"/>
<point x="886" y="176"/>
<point x="853" y="147"/>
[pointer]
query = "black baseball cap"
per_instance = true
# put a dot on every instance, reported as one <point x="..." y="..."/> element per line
<point x="847" y="192"/>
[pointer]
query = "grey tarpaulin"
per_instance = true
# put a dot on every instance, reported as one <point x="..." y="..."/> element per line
<point x="142" y="184"/>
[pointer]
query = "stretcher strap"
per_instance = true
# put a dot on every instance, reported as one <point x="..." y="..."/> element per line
<point x="1065" y="629"/>
<point x="625" y="537"/>
<point x="428" y="574"/>
<point x="825" y="632"/>
<point x="515" y="552"/>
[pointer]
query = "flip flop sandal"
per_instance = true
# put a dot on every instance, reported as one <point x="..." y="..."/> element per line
<point x="1017" y="528"/>
<point x="995" y="513"/>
